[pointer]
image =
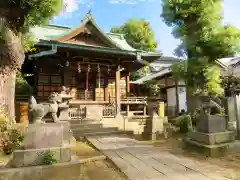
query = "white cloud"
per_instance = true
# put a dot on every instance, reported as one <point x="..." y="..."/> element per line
<point x="70" y="6"/>
<point x="128" y="1"/>
<point x="73" y="5"/>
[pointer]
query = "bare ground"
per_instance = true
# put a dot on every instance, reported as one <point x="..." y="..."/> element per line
<point x="228" y="166"/>
<point x="97" y="170"/>
<point x="102" y="170"/>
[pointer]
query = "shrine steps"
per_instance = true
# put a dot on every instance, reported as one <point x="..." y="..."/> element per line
<point x="81" y="130"/>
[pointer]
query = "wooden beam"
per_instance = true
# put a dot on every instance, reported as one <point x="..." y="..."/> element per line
<point x="127" y="79"/>
<point x="117" y="90"/>
<point x="106" y="88"/>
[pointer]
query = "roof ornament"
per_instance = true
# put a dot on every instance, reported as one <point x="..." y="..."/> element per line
<point x="87" y="16"/>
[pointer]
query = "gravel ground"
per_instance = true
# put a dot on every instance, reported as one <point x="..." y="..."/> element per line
<point x="101" y="170"/>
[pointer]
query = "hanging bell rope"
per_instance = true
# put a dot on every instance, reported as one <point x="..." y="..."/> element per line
<point x="89" y="68"/>
<point x="108" y="69"/>
<point x="79" y="67"/>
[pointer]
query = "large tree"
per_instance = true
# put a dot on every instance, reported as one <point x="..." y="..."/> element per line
<point x="204" y="39"/>
<point x="16" y="17"/>
<point x="139" y="35"/>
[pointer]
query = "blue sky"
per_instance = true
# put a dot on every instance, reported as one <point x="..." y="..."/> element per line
<point x="110" y="13"/>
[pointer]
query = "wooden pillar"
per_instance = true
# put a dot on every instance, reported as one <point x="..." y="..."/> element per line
<point x="127" y="79"/>
<point x="128" y="109"/>
<point x="106" y="89"/>
<point x="145" y="110"/>
<point x="117" y="90"/>
<point x="177" y="96"/>
<point x="86" y="88"/>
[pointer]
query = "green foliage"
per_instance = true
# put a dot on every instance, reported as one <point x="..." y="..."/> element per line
<point x="11" y="139"/>
<point x="138" y="34"/>
<point x="49" y="157"/>
<point x="230" y="83"/>
<point x="28" y="41"/>
<point x="27" y="13"/>
<point x="212" y="75"/>
<point x="195" y="116"/>
<point x="198" y="24"/>
<point x="152" y="87"/>
<point x="3" y="120"/>
<point x="22" y="86"/>
<point x="182" y="122"/>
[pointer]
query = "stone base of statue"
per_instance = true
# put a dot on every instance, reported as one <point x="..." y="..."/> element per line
<point x="212" y="137"/>
<point x="212" y="123"/>
<point x="39" y="139"/>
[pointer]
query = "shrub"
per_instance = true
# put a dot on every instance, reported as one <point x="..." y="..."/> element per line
<point x="49" y="157"/>
<point x="11" y="139"/>
<point x="22" y="86"/>
<point x="183" y="122"/>
<point x="195" y="115"/>
<point x="3" y="120"/>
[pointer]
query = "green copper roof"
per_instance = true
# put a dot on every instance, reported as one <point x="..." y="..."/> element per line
<point x="54" y="32"/>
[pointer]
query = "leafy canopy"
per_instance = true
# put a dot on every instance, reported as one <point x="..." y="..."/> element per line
<point x="138" y="34"/>
<point x="204" y="39"/>
<point x="27" y="13"/>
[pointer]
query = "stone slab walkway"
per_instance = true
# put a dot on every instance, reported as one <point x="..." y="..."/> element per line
<point x="145" y="162"/>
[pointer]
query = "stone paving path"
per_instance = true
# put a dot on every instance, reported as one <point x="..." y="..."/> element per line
<point x="145" y="162"/>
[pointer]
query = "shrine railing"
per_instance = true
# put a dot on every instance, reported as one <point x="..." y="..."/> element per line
<point x="134" y="100"/>
<point x="109" y="110"/>
<point x="77" y="113"/>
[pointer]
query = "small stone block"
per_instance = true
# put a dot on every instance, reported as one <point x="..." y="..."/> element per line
<point x="212" y="138"/>
<point x="66" y="153"/>
<point x="208" y="150"/>
<point x="43" y="136"/>
<point x="212" y="123"/>
<point x="34" y="157"/>
<point x="30" y="173"/>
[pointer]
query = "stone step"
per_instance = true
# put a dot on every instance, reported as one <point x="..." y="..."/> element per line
<point x="83" y="126"/>
<point x="81" y="136"/>
<point x="83" y="121"/>
<point x="93" y="130"/>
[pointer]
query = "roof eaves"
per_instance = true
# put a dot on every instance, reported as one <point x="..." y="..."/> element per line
<point x="84" y="47"/>
<point x="163" y="72"/>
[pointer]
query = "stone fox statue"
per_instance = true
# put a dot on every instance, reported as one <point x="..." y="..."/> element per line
<point x="37" y="111"/>
<point x="212" y="105"/>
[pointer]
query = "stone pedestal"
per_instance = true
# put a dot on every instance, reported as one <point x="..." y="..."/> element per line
<point x="212" y="137"/>
<point x="40" y="138"/>
<point x="154" y="125"/>
<point x="212" y="123"/>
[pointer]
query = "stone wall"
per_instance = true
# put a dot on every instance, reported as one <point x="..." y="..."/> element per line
<point x="62" y="171"/>
<point x="138" y="125"/>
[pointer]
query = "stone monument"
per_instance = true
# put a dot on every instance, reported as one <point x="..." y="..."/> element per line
<point x="211" y="136"/>
<point x="154" y="124"/>
<point x="40" y="137"/>
<point x="56" y="102"/>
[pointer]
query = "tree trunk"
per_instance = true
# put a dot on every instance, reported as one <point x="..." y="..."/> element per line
<point x="7" y="94"/>
<point x="11" y="59"/>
